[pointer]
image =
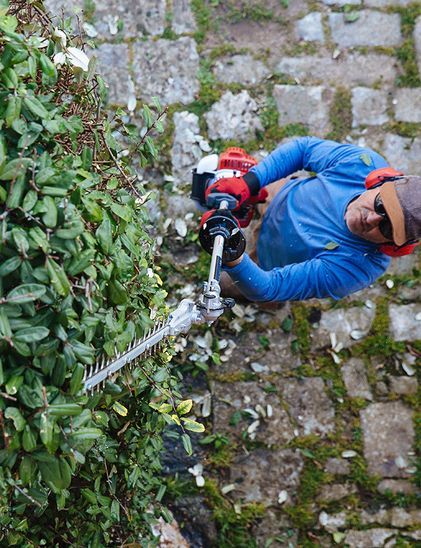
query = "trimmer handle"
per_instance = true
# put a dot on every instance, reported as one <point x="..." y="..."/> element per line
<point x="214" y="200"/>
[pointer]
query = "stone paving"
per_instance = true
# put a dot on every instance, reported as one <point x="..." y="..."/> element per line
<point x="317" y="400"/>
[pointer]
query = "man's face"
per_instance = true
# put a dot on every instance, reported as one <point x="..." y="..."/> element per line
<point x="362" y="220"/>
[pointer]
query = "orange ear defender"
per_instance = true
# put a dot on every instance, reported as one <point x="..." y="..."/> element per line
<point x="377" y="178"/>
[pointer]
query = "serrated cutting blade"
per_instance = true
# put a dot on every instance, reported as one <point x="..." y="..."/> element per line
<point x="105" y="369"/>
<point x="177" y="322"/>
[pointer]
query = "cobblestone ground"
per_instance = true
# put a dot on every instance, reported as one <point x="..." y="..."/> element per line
<point x="310" y="409"/>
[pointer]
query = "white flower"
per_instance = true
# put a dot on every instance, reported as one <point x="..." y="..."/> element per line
<point x="57" y="33"/>
<point x="78" y="58"/>
<point x="59" y="58"/>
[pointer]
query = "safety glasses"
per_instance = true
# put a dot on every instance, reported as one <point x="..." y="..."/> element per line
<point x="385" y="225"/>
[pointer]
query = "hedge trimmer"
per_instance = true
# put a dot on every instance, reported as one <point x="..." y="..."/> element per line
<point x="221" y="236"/>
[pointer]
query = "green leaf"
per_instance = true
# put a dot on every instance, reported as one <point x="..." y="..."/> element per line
<point x="72" y="230"/>
<point x="14" y="168"/>
<point x="58" y="278"/>
<point x="27" y="139"/>
<point x="87" y="434"/>
<point x="14" y="105"/>
<point x="10" y="265"/>
<point x="10" y="78"/>
<point x="30" y="200"/>
<point x="25" y="293"/>
<point x="36" y="108"/>
<point x="76" y="379"/>
<point x="117" y="292"/>
<point x="351" y="16"/>
<point x="93" y="210"/>
<point x="16" y="416"/>
<point x="50" y="216"/>
<point x="331" y="245"/>
<point x="64" y="409"/>
<point x="185" y="438"/>
<point x="31" y="334"/>
<point x="105" y="236"/>
<point x="120" y="409"/>
<point x="80" y="262"/>
<point x="26" y="470"/>
<point x="8" y="23"/>
<point x="44" y="176"/>
<point x="287" y="324"/>
<point x="29" y="441"/>
<point x="184" y="407"/>
<point x="20" y="240"/>
<point x="5" y="329"/>
<point x="192" y="425"/>
<point x="366" y="158"/>
<point x="161" y="407"/>
<point x="46" y="431"/>
<point x="13" y="384"/>
<point x="122" y="211"/>
<point x="115" y="510"/>
<point x="47" y="66"/>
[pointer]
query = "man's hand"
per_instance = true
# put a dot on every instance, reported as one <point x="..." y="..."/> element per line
<point x="236" y="186"/>
<point x="235" y="242"/>
<point x="230" y="264"/>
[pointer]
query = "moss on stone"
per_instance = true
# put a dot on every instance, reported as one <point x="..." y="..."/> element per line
<point x="234" y="527"/>
<point x="302" y="513"/>
<point x="88" y="10"/>
<point x="202" y="15"/>
<point x="378" y="342"/>
<point x="301" y="327"/>
<point x="406" y="52"/>
<point x="340" y="114"/>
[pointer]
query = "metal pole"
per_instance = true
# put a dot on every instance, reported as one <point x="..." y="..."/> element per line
<point x="218" y="248"/>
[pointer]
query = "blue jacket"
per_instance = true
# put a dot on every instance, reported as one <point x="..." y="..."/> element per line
<point x="305" y="248"/>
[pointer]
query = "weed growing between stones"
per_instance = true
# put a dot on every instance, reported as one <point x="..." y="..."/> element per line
<point x="88" y="10"/>
<point x="301" y="329"/>
<point x="234" y="521"/>
<point x="202" y="15"/>
<point x="405" y="129"/>
<point x="210" y="90"/>
<point x="378" y="342"/>
<point x="302" y="513"/>
<point x="341" y="114"/>
<point x="406" y="51"/>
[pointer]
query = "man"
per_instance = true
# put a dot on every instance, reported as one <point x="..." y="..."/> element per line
<point x="325" y="235"/>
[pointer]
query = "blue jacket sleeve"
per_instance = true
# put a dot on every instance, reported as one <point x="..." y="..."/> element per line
<point x="309" y="153"/>
<point x="320" y="277"/>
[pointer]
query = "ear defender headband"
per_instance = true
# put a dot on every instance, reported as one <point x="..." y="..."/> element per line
<point x="377" y="178"/>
